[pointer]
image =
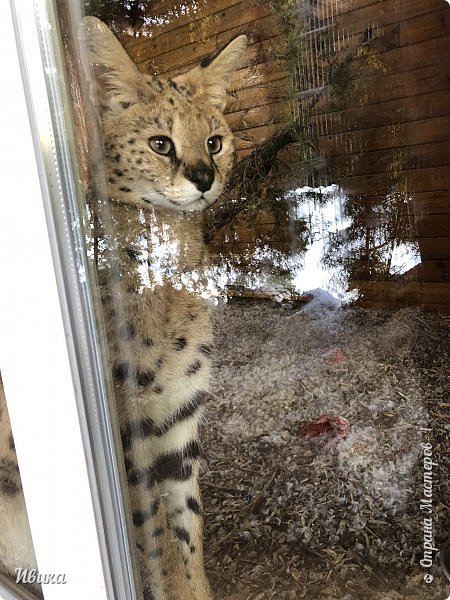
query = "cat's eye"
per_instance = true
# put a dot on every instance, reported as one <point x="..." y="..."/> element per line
<point x="161" y="144"/>
<point x="215" y="144"/>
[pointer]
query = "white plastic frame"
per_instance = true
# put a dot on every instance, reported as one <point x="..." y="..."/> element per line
<point x="49" y="364"/>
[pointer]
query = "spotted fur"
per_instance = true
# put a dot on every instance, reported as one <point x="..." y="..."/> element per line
<point x="167" y="154"/>
<point x="160" y="339"/>
<point x="16" y="549"/>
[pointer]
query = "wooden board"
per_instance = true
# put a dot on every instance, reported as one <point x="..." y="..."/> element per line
<point x="386" y="137"/>
<point x="393" y="305"/>
<point x="434" y="248"/>
<point x="195" y="49"/>
<point x="404" y="292"/>
<point x="391" y="112"/>
<point x="430" y="270"/>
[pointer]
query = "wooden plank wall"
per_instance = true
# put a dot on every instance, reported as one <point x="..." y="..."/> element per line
<point x="394" y="132"/>
<point x="389" y="125"/>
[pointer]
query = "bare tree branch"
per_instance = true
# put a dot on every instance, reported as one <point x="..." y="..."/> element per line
<point x="254" y="168"/>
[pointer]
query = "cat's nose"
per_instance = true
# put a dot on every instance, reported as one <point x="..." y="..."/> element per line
<point x="201" y="175"/>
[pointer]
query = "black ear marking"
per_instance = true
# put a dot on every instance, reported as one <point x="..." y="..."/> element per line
<point x="210" y="58"/>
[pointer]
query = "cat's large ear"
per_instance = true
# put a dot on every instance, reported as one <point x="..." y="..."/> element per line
<point x="115" y="78"/>
<point x="211" y="79"/>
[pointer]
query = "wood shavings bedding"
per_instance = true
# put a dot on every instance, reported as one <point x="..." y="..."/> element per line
<point x="289" y="516"/>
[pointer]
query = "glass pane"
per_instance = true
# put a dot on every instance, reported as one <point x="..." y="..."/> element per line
<point x="317" y="278"/>
<point x="78" y="537"/>
<point x="17" y="560"/>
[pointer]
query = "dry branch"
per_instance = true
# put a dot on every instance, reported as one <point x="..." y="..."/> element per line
<point x="249" y="173"/>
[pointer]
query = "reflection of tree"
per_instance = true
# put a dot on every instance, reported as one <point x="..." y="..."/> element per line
<point x="379" y="205"/>
<point x="267" y="247"/>
<point x="379" y="227"/>
<point x="139" y="16"/>
<point x="143" y="249"/>
<point x="131" y="12"/>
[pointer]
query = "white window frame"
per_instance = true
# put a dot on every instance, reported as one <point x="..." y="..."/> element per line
<point x="49" y="355"/>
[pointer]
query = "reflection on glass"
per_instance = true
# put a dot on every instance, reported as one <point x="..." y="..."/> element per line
<point x="17" y="560"/>
<point x="327" y="404"/>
